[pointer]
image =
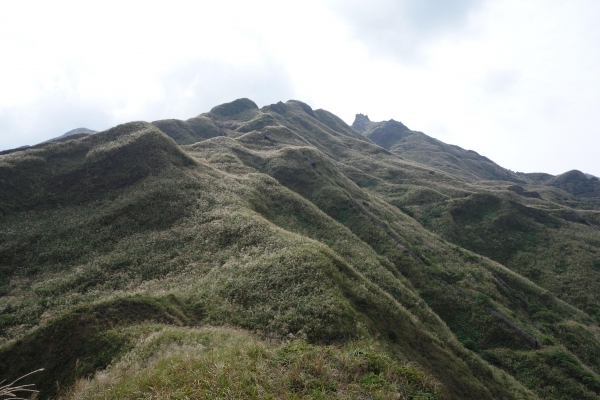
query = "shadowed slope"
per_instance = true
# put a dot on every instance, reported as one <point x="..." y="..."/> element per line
<point x="577" y="183"/>
<point x="187" y="132"/>
<point x="84" y="169"/>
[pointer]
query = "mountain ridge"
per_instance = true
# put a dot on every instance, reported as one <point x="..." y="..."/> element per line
<point x="287" y="224"/>
<point x="396" y="137"/>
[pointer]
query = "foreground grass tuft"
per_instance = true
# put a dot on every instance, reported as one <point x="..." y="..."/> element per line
<point x="175" y="363"/>
<point x="10" y="390"/>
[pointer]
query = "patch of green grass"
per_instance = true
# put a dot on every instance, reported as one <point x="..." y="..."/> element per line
<point x="552" y="372"/>
<point x="223" y="363"/>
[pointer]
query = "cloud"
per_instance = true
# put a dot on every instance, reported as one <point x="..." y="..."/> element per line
<point x="48" y="116"/>
<point x="137" y="61"/>
<point x="500" y="81"/>
<point x="184" y="91"/>
<point x="512" y="80"/>
<point x="198" y="85"/>
<point x="401" y="28"/>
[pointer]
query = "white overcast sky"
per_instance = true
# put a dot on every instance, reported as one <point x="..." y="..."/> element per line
<point x="517" y="81"/>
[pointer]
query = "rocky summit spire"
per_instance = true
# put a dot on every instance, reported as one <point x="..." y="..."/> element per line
<point x="361" y="122"/>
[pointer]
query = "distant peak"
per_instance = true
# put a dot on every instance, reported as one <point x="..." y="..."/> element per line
<point x="361" y="123"/>
<point x="396" y="124"/>
<point x="572" y="176"/>
<point x="235" y="107"/>
<point x="361" y="117"/>
<point x="79" y="130"/>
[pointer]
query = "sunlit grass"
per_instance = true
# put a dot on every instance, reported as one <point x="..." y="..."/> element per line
<point x="226" y="364"/>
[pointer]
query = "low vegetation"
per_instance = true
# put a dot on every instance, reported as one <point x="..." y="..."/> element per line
<point x="175" y="363"/>
<point x="278" y="253"/>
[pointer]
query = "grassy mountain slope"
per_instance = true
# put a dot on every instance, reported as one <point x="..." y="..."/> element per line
<point x="577" y="183"/>
<point x="226" y="363"/>
<point x="341" y="262"/>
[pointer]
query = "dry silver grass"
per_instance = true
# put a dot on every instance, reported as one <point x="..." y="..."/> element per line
<point x="9" y="391"/>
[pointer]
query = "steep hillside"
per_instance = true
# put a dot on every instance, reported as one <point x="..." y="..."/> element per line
<point x="417" y="146"/>
<point x="314" y="250"/>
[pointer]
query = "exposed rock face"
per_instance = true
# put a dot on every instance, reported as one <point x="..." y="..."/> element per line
<point x="362" y="123"/>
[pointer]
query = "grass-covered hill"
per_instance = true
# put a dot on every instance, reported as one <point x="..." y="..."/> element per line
<point x="280" y="253"/>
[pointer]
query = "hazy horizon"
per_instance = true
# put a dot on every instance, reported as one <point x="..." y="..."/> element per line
<point x="514" y="82"/>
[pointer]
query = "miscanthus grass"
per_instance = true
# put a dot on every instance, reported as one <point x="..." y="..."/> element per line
<point x="14" y="391"/>
<point x="210" y="363"/>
